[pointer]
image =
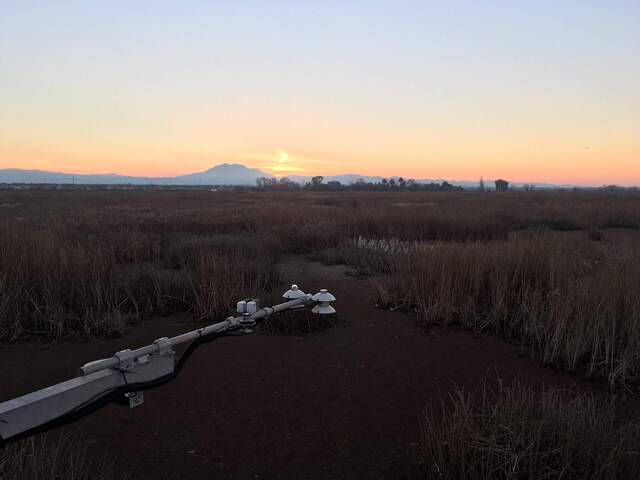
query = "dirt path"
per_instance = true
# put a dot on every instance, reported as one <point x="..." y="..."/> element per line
<point x="339" y="404"/>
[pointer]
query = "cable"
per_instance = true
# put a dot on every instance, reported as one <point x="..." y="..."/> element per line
<point x="110" y="396"/>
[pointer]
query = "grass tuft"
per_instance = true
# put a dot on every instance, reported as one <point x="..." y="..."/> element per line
<point x="516" y="432"/>
<point x="40" y="458"/>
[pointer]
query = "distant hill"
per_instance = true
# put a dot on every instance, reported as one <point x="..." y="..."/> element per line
<point x="223" y="174"/>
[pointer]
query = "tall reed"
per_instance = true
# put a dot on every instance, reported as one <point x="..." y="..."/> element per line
<point x="516" y="432"/>
<point x="575" y="302"/>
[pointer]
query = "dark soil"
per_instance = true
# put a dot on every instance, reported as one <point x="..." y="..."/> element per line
<point x="342" y="403"/>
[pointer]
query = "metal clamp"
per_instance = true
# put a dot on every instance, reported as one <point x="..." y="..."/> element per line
<point x="164" y="346"/>
<point x="126" y="359"/>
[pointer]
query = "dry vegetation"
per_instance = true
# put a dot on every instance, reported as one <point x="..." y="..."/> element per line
<point x="78" y="266"/>
<point x="519" y="433"/>
<point x="557" y="272"/>
<point x="575" y="302"/>
<point x="90" y="263"/>
<point x="43" y="458"/>
<point x="537" y="267"/>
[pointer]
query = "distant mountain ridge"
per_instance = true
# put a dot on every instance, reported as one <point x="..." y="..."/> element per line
<point x="223" y="174"/>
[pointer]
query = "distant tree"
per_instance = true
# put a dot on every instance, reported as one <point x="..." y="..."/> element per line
<point x="481" y="184"/>
<point x="272" y="183"/>
<point x="385" y="184"/>
<point x="529" y="187"/>
<point x="360" y="184"/>
<point x="502" y="185"/>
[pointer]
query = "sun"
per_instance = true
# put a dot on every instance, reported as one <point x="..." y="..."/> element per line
<point x="282" y="165"/>
<point x="282" y="156"/>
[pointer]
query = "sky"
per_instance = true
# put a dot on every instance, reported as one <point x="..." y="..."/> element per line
<point x="536" y="91"/>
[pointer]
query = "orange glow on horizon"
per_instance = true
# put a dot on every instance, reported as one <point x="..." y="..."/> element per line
<point x="586" y="167"/>
<point x="575" y="156"/>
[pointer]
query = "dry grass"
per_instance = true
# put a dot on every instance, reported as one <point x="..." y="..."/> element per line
<point x="67" y="458"/>
<point x="575" y="302"/>
<point x="90" y="263"/>
<point x="519" y="433"/>
<point x="55" y="285"/>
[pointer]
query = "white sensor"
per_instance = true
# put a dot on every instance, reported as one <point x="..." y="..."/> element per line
<point x="324" y="298"/>
<point x="294" y="293"/>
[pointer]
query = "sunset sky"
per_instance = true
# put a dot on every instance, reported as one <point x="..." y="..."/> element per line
<point x="540" y="91"/>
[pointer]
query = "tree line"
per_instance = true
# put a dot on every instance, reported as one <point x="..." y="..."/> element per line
<point x="317" y="183"/>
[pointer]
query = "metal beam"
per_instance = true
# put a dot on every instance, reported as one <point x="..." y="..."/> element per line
<point x="126" y="367"/>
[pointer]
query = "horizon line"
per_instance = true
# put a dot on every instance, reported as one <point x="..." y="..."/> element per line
<point x="486" y="179"/>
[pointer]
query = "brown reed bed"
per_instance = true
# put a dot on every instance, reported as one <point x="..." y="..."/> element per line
<point x="574" y="302"/>
<point x="89" y="263"/>
<point x="517" y="432"/>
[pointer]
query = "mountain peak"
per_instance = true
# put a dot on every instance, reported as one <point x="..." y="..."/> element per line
<point x="225" y="174"/>
<point x="229" y="168"/>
